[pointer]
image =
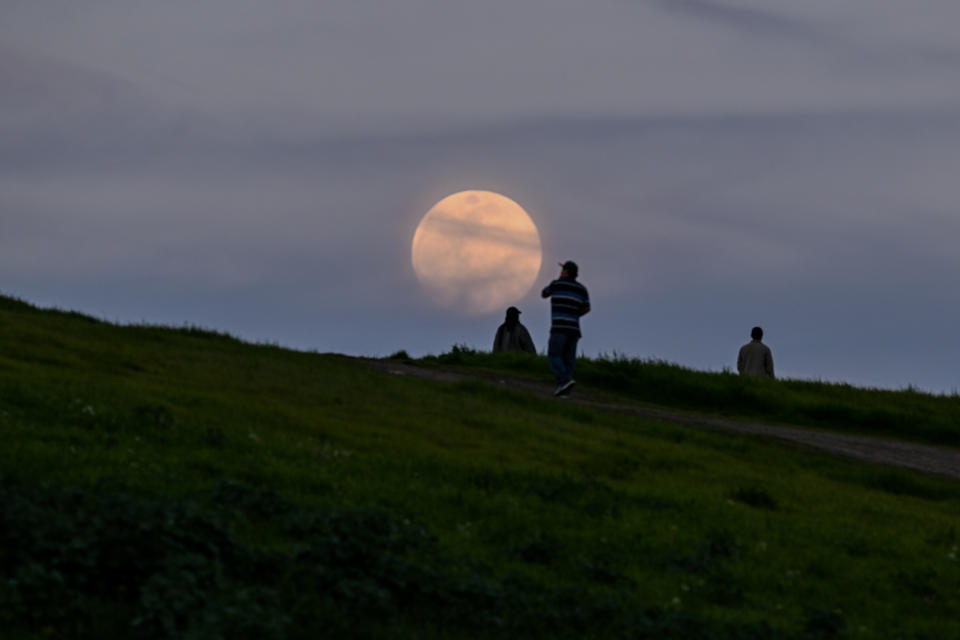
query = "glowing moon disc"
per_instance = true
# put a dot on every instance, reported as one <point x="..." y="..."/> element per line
<point x="477" y="252"/>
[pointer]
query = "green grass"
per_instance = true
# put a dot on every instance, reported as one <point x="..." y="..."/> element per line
<point x="178" y="483"/>
<point x="906" y="414"/>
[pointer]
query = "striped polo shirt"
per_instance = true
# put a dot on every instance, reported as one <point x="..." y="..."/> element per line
<point x="568" y="301"/>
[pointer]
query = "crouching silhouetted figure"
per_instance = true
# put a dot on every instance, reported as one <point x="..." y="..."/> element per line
<point x="513" y="336"/>
<point x="755" y="358"/>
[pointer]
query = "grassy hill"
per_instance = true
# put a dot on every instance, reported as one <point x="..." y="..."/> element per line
<point x="906" y="415"/>
<point x="178" y="483"/>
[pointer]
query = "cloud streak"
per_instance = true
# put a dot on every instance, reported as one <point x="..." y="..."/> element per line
<point x="745" y="20"/>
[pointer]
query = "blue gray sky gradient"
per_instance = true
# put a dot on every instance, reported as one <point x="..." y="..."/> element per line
<point x="260" y="168"/>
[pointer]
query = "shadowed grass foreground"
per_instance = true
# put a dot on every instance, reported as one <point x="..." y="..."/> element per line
<point x="178" y="483"/>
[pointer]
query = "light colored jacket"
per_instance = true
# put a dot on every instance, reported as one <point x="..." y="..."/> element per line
<point x="755" y="359"/>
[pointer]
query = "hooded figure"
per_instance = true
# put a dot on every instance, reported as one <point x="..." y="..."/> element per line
<point x="513" y="336"/>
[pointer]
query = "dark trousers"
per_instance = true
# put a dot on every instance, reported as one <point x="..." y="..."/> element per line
<point x="561" y="354"/>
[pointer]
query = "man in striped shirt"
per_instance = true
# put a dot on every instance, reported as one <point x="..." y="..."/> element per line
<point x="568" y="301"/>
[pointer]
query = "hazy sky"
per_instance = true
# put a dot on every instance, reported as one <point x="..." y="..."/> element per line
<point x="260" y="168"/>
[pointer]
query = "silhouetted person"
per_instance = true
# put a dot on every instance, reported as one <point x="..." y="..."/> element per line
<point x="513" y="336"/>
<point x="568" y="301"/>
<point x="755" y="358"/>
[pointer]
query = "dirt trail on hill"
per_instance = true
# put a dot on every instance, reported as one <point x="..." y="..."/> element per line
<point x="920" y="457"/>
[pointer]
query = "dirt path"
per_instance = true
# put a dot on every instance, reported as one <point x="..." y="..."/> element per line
<point x="920" y="457"/>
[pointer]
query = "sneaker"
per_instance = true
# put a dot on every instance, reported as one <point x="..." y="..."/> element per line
<point x="564" y="388"/>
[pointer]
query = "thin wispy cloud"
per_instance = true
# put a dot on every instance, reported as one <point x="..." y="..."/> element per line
<point x="745" y="20"/>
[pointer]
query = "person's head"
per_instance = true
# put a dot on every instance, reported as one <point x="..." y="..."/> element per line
<point x="756" y="333"/>
<point x="513" y="314"/>
<point x="570" y="269"/>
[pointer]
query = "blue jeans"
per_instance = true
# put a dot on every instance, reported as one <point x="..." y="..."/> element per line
<point x="561" y="354"/>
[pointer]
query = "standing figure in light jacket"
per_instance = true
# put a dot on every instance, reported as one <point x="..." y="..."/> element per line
<point x="513" y="336"/>
<point x="568" y="301"/>
<point x="755" y="358"/>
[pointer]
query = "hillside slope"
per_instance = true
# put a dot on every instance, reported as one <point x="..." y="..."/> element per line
<point x="164" y="483"/>
<point x="941" y="460"/>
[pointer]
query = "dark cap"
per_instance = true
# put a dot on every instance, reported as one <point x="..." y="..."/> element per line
<point x="513" y="311"/>
<point x="571" y="267"/>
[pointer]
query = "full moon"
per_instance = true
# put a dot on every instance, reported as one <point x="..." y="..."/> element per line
<point x="476" y="252"/>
